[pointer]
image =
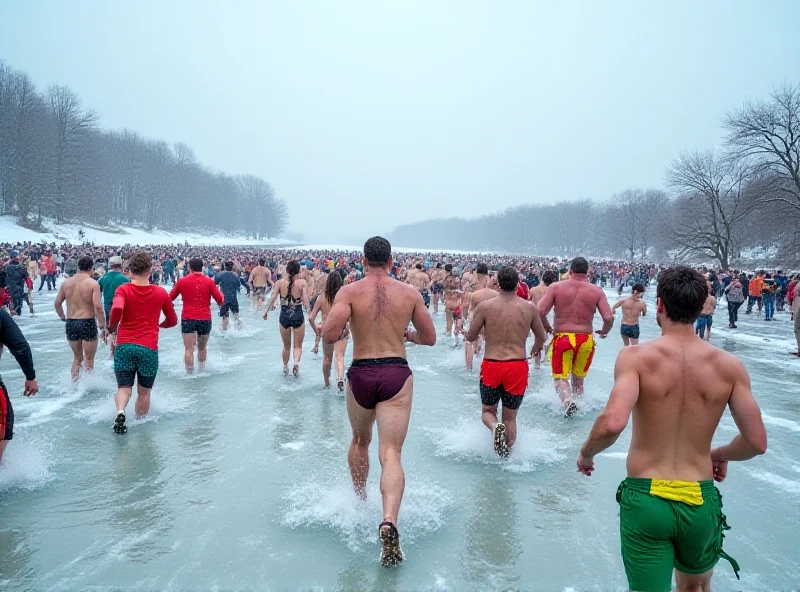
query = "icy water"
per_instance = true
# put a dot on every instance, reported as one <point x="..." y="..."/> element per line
<point x="238" y="479"/>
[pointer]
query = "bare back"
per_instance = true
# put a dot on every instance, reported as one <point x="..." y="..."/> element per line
<point x="632" y="309"/>
<point x="537" y="292"/>
<point x="575" y="302"/>
<point x="258" y="277"/>
<point x="506" y="321"/>
<point x="79" y="293"/>
<point x="684" y="386"/>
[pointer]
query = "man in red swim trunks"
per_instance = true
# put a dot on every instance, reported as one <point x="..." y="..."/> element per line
<point x="379" y="382"/>
<point x="506" y="321"/>
<point x="575" y="301"/>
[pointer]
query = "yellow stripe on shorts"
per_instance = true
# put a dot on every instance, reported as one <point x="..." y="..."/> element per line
<point x="687" y="492"/>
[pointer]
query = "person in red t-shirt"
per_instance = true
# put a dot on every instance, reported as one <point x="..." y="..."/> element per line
<point x="196" y="290"/>
<point x="135" y="313"/>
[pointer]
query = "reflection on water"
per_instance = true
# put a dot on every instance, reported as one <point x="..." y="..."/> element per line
<point x="15" y="554"/>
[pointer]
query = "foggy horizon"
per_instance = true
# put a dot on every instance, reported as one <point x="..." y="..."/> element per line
<point x="364" y="118"/>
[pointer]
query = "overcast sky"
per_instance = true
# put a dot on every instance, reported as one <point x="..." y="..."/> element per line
<point x="364" y="115"/>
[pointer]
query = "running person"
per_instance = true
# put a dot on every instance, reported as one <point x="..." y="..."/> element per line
<point x="677" y="388"/>
<point x="482" y="292"/>
<point x="260" y="278"/>
<point x="380" y="385"/>
<point x="318" y="285"/>
<point x="84" y="312"/>
<point x="506" y="321"/>
<point x="575" y="301"/>
<point x="536" y="293"/>
<point x="437" y="286"/>
<point x="229" y="285"/>
<point x="14" y="340"/>
<point x="706" y="318"/>
<point x="632" y="308"/>
<point x="293" y="292"/>
<point x="135" y="313"/>
<point x="336" y="350"/>
<point x="452" y="298"/>
<point x="196" y="290"/>
<point x="108" y="287"/>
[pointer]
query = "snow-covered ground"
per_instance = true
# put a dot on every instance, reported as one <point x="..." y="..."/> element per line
<point x="11" y="232"/>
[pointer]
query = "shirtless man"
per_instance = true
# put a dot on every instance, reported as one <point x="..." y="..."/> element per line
<point x="536" y="293"/>
<point x="483" y="291"/>
<point x="506" y="321"/>
<point x="575" y="301"/>
<point x="632" y="308"/>
<point x="469" y="281"/>
<point x="320" y="278"/>
<point x="677" y="388"/>
<point x="417" y="278"/>
<point x="260" y="277"/>
<point x="84" y="314"/>
<point x="452" y="299"/>
<point x="380" y="384"/>
<point x="437" y="286"/>
<point x="706" y="318"/>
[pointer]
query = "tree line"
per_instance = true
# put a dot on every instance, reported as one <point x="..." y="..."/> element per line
<point x="738" y="202"/>
<point x="57" y="163"/>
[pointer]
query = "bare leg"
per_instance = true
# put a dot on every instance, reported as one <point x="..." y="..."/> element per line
<point x="286" y="336"/>
<point x="392" y="417"/>
<point x="3" y="444"/>
<point x="89" y="351"/>
<point x="338" y="354"/>
<point x="510" y="421"/>
<point x="626" y="341"/>
<point x="77" y="359"/>
<point x="693" y="583"/>
<point x="563" y="390"/>
<point x="634" y="341"/>
<point x="189" y="341"/>
<point x="299" y="335"/>
<point x="202" y="350"/>
<point x="361" y="421"/>
<point x="489" y="416"/>
<point x="237" y="321"/>
<point x="224" y="323"/>
<point x="468" y="354"/>
<point x="142" y="401"/>
<point x="577" y="386"/>
<point x="327" y="361"/>
<point x="122" y="397"/>
<point x="316" y="342"/>
<point x="449" y="316"/>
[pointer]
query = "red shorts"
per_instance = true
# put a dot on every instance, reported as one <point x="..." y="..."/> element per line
<point x="512" y="375"/>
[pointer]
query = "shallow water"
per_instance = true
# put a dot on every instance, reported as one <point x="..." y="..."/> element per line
<point x="238" y="478"/>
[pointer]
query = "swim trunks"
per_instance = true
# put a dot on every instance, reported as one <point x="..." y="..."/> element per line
<point x="457" y="314"/>
<point x="437" y="288"/>
<point x="313" y="301"/>
<point x="631" y="331"/>
<point x="704" y="322"/>
<point x="195" y="326"/>
<point x="504" y="380"/>
<point x="426" y="297"/>
<point x="345" y="333"/>
<point x="291" y="317"/>
<point x="6" y="414"/>
<point x="259" y="290"/>
<point x="229" y="308"/>
<point x="81" y="329"/>
<point x="666" y="525"/>
<point x="135" y="360"/>
<point x="377" y="380"/>
<point x="571" y="353"/>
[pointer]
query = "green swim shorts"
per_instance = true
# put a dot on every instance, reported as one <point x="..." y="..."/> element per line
<point x="666" y="525"/>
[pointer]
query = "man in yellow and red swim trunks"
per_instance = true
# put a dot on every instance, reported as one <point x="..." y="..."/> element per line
<point x="677" y="387"/>
<point x="575" y="301"/>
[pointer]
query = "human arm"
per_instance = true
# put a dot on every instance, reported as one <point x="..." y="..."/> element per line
<point x="605" y="313"/>
<point x="616" y="306"/>
<point x="338" y="317"/>
<point x="752" y="438"/>
<point x="216" y="294"/>
<point x="312" y="316"/>
<point x="14" y="340"/>
<point x="612" y="421"/>
<point x="59" y="302"/>
<point x="275" y="292"/>
<point x="304" y="297"/>
<point x="644" y="309"/>
<point x="539" y="334"/>
<point x="476" y="324"/>
<point x="97" y="303"/>
<point x="545" y="304"/>
<point x="424" y="332"/>
<point x="170" y="318"/>
<point x="117" y="305"/>
<point x="176" y="289"/>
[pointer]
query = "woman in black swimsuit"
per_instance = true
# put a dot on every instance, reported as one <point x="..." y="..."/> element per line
<point x="293" y="293"/>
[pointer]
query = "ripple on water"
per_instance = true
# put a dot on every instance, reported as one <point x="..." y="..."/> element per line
<point x="335" y="506"/>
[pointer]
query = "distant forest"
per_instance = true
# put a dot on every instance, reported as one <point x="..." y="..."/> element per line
<point x="737" y="203"/>
<point x="56" y="162"/>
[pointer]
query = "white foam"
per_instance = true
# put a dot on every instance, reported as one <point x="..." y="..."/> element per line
<point x="215" y="364"/>
<point x="66" y="393"/>
<point x="161" y="403"/>
<point x="331" y="503"/>
<point x="293" y="445"/>
<point x="471" y="440"/>
<point x="788" y="485"/>
<point x="780" y="422"/>
<point x="25" y="465"/>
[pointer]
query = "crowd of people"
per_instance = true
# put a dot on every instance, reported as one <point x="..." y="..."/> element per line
<point x="492" y="303"/>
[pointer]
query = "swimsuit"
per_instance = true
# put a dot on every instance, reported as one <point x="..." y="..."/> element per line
<point x="291" y="313"/>
<point x="229" y="307"/>
<point x="703" y="322"/>
<point x="426" y="297"/>
<point x="6" y="414"/>
<point x="136" y="360"/>
<point x="631" y="331"/>
<point x="571" y="353"/>
<point x="437" y="288"/>
<point x="666" y="525"/>
<point x="377" y="380"/>
<point x="503" y="379"/>
<point x="194" y="326"/>
<point x="81" y="329"/>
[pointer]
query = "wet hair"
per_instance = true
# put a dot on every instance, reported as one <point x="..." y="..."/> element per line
<point x="141" y="263"/>
<point x="332" y="286"/>
<point x="85" y="263"/>
<point x="579" y="265"/>
<point x="508" y="278"/>
<point x="377" y="252"/>
<point x="448" y="268"/>
<point x="438" y="266"/>
<point x="418" y="266"/>
<point x="196" y="264"/>
<point x="292" y="268"/>
<point x="683" y="292"/>
<point x="482" y="269"/>
<point x="262" y="262"/>
<point x="638" y="288"/>
<point x="229" y="266"/>
<point x="549" y="276"/>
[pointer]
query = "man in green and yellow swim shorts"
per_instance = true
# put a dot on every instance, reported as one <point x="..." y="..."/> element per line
<point x="677" y="387"/>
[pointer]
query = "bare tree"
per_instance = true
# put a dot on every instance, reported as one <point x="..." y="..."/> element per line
<point x="768" y="132"/>
<point x="711" y="203"/>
